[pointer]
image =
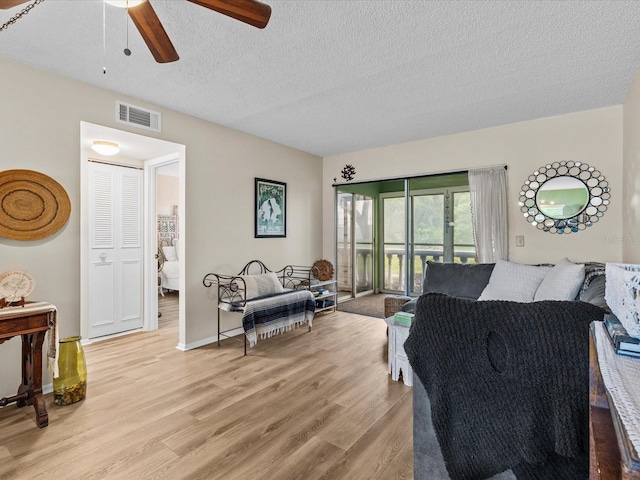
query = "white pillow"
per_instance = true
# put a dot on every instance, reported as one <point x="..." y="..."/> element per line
<point x="563" y="282"/>
<point x="175" y="244"/>
<point x="170" y="254"/>
<point x="263" y="284"/>
<point x="514" y="282"/>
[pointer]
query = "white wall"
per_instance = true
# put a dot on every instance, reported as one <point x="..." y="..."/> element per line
<point x="167" y="194"/>
<point x="631" y="173"/>
<point x="594" y="137"/>
<point x="40" y="130"/>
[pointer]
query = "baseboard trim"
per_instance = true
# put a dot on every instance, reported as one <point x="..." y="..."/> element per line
<point x="206" y="341"/>
<point x="89" y="341"/>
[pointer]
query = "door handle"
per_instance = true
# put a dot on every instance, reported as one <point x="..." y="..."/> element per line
<point x="103" y="256"/>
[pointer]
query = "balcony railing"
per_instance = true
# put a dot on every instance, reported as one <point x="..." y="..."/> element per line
<point x="394" y="265"/>
<point x="364" y="267"/>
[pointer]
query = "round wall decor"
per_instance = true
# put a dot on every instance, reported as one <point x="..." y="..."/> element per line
<point x="32" y="205"/>
<point x="325" y="270"/>
<point x="564" y="197"/>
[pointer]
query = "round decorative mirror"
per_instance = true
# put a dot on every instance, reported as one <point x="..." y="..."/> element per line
<point x="564" y="197"/>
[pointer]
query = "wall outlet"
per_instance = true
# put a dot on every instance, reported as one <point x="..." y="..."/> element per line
<point x="519" y="240"/>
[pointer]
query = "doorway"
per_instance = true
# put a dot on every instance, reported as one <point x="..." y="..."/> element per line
<point x="165" y="196"/>
<point x="146" y="154"/>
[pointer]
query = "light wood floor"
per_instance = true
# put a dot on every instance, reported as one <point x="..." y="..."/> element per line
<point x="300" y="406"/>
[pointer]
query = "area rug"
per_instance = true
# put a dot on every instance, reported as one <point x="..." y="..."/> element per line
<point x="370" y="305"/>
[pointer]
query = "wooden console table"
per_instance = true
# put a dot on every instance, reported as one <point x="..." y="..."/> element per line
<point x="612" y="455"/>
<point x="31" y="322"/>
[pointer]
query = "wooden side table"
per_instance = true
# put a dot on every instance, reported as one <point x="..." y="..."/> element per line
<point x="398" y="360"/>
<point x="31" y="322"/>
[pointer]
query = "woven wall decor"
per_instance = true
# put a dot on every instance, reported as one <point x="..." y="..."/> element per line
<point x="325" y="270"/>
<point x="32" y="205"/>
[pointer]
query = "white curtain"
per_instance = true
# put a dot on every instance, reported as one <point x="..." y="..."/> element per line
<point x="488" y="188"/>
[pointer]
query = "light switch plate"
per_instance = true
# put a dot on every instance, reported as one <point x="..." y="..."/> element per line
<point x="519" y="240"/>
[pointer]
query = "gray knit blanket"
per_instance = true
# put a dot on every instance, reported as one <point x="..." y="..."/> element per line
<point x="508" y="384"/>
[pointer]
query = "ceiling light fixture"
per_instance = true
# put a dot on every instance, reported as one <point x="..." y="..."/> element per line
<point x="124" y="3"/>
<point x="105" y="148"/>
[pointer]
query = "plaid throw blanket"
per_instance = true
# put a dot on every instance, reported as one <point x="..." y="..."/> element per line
<point x="264" y="317"/>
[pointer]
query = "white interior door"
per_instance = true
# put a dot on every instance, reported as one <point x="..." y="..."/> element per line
<point x="115" y="249"/>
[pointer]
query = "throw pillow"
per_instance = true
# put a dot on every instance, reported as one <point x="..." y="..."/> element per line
<point x="457" y="279"/>
<point x="261" y="285"/>
<point x="514" y="282"/>
<point x="594" y="289"/>
<point x="170" y="254"/>
<point x="563" y="282"/>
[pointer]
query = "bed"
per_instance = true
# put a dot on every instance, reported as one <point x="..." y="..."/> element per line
<point x="168" y="263"/>
<point x="170" y="274"/>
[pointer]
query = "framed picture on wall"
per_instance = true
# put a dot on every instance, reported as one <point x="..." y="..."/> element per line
<point x="271" y="208"/>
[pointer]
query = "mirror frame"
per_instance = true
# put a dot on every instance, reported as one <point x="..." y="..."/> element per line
<point x="593" y="180"/>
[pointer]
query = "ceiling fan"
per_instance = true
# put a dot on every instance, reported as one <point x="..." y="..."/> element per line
<point x="144" y="17"/>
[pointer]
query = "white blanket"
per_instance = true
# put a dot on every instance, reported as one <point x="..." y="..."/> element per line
<point x="170" y="275"/>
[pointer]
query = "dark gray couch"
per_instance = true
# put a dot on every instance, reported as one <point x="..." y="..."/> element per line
<point x="466" y="281"/>
<point x="428" y="463"/>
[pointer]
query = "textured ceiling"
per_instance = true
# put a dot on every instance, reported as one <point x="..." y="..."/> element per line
<point x="336" y="76"/>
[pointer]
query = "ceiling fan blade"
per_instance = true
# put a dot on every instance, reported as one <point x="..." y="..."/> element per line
<point x="248" y="11"/>
<point x="6" y="4"/>
<point x="153" y="33"/>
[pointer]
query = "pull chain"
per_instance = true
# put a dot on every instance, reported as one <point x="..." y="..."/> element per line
<point x="19" y="15"/>
<point x="127" y="52"/>
<point x="104" y="39"/>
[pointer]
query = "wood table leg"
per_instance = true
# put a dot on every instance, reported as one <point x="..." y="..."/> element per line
<point x="31" y="386"/>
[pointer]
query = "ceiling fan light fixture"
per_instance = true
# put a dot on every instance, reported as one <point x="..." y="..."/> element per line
<point x="105" y="148"/>
<point x="144" y="17"/>
<point x="124" y="3"/>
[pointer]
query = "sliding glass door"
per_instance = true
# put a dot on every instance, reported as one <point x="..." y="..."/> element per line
<point x="428" y="237"/>
<point x="464" y="249"/>
<point x="386" y="231"/>
<point x="363" y="215"/>
<point x="355" y="244"/>
<point x="439" y="230"/>
<point x="393" y="242"/>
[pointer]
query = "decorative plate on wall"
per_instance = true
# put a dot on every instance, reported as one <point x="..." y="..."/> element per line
<point x="15" y="285"/>
<point x="325" y="270"/>
<point x="33" y="205"/>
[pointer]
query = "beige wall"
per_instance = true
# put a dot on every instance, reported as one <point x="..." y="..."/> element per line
<point x="167" y="194"/>
<point x="630" y="238"/>
<point x="40" y="130"/>
<point x="594" y="137"/>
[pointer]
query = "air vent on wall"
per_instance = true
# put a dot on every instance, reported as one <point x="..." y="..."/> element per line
<point x="138" y="116"/>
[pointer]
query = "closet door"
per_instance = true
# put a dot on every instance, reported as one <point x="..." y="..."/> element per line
<point x="115" y="249"/>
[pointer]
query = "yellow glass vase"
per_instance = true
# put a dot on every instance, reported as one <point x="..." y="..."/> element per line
<point x="71" y="384"/>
